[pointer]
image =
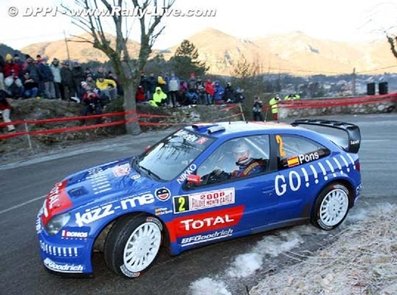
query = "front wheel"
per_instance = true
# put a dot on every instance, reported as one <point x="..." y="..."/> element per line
<point x="132" y="245"/>
<point x="331" y="207"/>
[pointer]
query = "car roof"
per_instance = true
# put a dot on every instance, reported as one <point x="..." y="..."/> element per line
<point x="221" y="129"/>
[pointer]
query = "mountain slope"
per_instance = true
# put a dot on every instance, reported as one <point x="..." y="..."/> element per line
<point x="81" y="51"/>
<point x="294" y="53"/>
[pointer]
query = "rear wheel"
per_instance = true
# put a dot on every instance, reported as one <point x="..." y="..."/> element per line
<point x="133" y="244"/>
<point x="331" y="207"/>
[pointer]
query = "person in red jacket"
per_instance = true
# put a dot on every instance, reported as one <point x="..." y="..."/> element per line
<point x="91" y="101"/>
<point x="140" y="94"/>
<point x="12" y="80"/>
<point x="209" y="90"/>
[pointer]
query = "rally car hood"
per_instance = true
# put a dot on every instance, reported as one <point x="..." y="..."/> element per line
<point x="107" y="179"/>
<point x="111" y="180"/>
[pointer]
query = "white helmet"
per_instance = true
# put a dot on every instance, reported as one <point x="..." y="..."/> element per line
<point x="241" y="153"/>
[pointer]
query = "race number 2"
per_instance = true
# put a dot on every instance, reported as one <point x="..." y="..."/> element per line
<point x="181" y="204"/>
<point x="280" y="142"/>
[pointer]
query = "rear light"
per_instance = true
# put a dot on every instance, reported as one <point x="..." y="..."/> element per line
<point x="358" y="166"/>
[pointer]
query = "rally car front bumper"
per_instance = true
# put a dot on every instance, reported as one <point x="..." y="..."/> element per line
<point x="64" y="256"/>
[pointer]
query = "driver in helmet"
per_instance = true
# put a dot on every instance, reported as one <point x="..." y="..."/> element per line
<point x="246" y="164"/>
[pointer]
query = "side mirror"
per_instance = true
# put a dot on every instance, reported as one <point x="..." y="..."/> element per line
<point x="193" y="180"/>
<point x="147" y="148"/>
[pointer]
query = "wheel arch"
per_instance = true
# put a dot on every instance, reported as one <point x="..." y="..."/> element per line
<point x="315" y="218"/>
<point x="349" y="185"/>
<point x="103" y="231"/>
<point x="344" y="181"/>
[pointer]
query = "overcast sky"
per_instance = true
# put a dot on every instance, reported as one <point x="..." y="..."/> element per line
<point x="343" y="20"/>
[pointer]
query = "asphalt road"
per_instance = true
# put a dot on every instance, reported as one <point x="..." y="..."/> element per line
<point x="24" y="184"/>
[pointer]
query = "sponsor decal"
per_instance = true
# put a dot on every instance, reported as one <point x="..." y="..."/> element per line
<point x="55" y="202"/>
<point x="71" y="234"/>
<point x="95" y="170"/>
<point x="54" y="197"/>
<point x="38" y="224"/>
<point x="302" y="159"/>
<point x="306" y="158"/>
<point x="162" y="211"/>
<point x="190" y="137"/>
<point x="94" y="214"/>
<point x="100" y="183"/>
<point x="293" y="181"/>
<point x="163" y="194"/>
<point x="64" y="267"/>
<point x="187" y="172"/>
<point x="91" y="215"/>
<point x="281" y="184"/>
<point x="206" y="237"/>
<point x="210" y="221"/>
<point x="132" y="202"/>
<point x="122" y="170"/>
<point x="204" y="200"/>
<point x="202" y="140"/>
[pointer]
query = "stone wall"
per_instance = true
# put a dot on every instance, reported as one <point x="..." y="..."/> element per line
<point x="330" y="106"/>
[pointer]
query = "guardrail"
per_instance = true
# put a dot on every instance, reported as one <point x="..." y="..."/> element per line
<point x="337" y="102"/>
<point x="131" y="116"/>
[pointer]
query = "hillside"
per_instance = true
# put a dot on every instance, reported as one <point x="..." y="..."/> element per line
<point x="81" y="51"/>
<point x="295" y="53"/>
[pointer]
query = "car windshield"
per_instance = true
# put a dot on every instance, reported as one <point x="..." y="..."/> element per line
<point x="174" y="154"/>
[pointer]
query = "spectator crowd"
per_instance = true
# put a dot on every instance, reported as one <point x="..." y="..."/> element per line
<point x="170" y="90"/>
<point x="28" y="77"/>
<point x="69" y="80"/>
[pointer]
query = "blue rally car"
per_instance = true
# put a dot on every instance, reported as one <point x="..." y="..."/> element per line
<point x="202" y="184"/>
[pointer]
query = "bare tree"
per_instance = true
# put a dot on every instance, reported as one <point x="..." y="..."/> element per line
<point x="393" y="43"/>
<point x="90" y="18"/>
<point x="244" y="69"/>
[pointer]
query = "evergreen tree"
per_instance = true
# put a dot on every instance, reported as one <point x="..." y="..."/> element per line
<point x="185" y="61"/>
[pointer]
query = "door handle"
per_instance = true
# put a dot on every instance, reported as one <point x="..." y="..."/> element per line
<point x="268" y="190"/>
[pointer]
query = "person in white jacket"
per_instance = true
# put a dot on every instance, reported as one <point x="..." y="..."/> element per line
<point x="173" y="88"/>
<point x="56" y="72"/>
<point x="5" y="110"/>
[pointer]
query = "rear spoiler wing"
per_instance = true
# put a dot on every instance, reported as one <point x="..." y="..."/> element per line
<point x="353" y="131"/>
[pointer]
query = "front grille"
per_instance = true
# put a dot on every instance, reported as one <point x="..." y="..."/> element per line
<point x="59" y="251"/>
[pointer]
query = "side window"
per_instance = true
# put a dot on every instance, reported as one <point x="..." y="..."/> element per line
<point x="236" y="158"/>
<point x="296" y="150"/>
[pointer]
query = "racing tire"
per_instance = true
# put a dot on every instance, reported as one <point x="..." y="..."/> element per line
<point x="132" y="245"/>
<point x="331" y="206"/>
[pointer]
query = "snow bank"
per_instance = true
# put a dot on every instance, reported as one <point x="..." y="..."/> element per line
<point x="363" y="260"/>
<point x="246" y="265"/>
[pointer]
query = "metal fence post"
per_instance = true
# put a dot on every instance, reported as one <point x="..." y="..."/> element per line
<point x="28" y="136"/>
<point x="241" y="110"/>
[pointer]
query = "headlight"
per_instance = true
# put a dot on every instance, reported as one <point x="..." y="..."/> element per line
<point x="56" y="223"/>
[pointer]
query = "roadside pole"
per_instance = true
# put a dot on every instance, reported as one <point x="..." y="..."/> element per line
<point x="28" y="136"/>
<point x="241" y="110"/>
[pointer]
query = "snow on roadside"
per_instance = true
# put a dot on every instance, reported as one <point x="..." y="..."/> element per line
<point x="245" y="265"/>
<point x="363" y="260"/>
<point x="209" y="286"/>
